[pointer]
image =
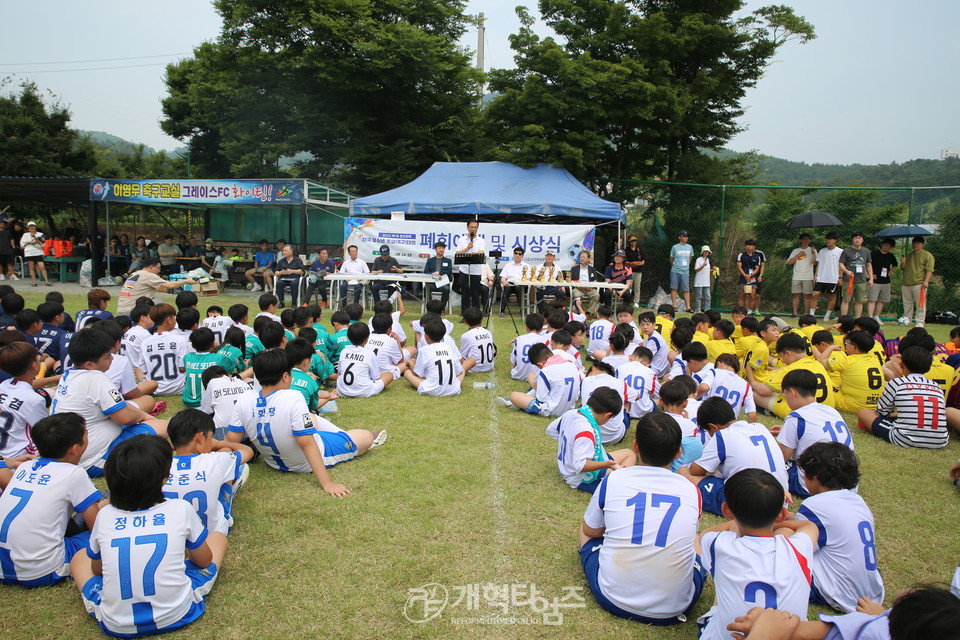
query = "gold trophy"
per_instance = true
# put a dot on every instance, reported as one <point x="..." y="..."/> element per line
<point x="567" y="277"/>
<point x="543" y="274"/>
<point x="523" y="273"/>
<point x="550" y="277"/>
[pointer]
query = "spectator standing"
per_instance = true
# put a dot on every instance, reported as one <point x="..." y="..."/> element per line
<point x="857" y="272"/>
<point x="635" y="261"/>
<point x="701" y="279"/>
<point x="681" y="257"/>
<point x="32" y="244"/>
<point x="803" y="259"/>
<point x="883" y="263"/>
<point x="828" y="275"/>
<point x="917" y="270"/>
<point x="750" y="267"/>
<point x="7" y="248"/>
<point x="470" y="274"/>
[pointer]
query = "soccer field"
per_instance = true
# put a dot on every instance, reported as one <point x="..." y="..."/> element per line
<point x="464" y="496"/>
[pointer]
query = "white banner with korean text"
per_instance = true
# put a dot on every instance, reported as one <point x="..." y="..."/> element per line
<point x="411" y="241"/>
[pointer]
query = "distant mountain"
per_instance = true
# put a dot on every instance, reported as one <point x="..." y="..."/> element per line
<point x="913" y="173"/>
<point x="110" y="141"/>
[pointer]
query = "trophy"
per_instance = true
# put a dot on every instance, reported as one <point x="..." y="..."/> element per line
<point x="543" y="274"/>
<point x="567" y="277"/>
<point x="550" y="277"/>
<point x="523" y="273"/>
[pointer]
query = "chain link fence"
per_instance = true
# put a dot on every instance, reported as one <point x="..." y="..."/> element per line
<point x="725" y="216"/>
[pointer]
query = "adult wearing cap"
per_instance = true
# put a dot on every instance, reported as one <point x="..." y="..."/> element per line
<point x="701" y="280"/>
<point x="510" y="275"/>
<point x="209" y="256"/>
<point x="439" y="266"/>
<point x="883" y="263"/>
<point x="583" y="271"/>
<point x="471" y="274"/>
<point x="917" y="270"/>
<point x="635" y="261"/>
<point x="32" y="244"/>
<point x="288" y="273"/>
<point x="618" y="272"/>
<point x="681" y="257"/>
<point x="551" y="273"/>
<point x="384" y="263"/>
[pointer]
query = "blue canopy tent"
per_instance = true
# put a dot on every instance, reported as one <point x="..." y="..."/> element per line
<point x="505" y="192"/>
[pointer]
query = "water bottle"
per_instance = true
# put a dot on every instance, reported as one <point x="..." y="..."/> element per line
<point x="330" y="407"/>
<point x="484" y="385"/>
<point x="181" y="269"/>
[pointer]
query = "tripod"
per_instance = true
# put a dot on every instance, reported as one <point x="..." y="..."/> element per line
<point x="498" y="286"/>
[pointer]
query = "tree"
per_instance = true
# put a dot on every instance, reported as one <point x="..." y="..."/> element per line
<point x="374" y="90"/>
<point x="632" y="88"/>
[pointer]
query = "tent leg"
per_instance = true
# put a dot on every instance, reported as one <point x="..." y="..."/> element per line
<point x="303" y="229"/>
<point x="96" y="271"/>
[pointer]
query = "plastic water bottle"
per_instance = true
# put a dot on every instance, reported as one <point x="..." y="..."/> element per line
<point x="181" y="269"/>
<point x="484" y="385"/>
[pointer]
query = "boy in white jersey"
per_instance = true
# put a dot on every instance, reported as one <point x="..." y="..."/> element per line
<point x="19" y="402"/>
<point x="758" y="558"/>
<point x="692" y="362"/>
<point x="437" y="370"/>
<point x="602" y="376"/>
<point x="809" y="422"/>
<point x="217" y="322"/>
<point x="384" y="306"/>
<point x="735" y="445"/>
<point x="477" y="343"/>
<point x="360" y="374"/>
<point x="641" y="381"/>
<point x="673" y="399"/>
<point x="911" y="411"/>
<point x="845" y="564"/>
<point x="268" y="306"/>
<point x="599" y="333"/>
<point x="581" y="458"/>
<point x="220" y="392"/>
<point x="577" y="331"/>
<point x="140" y="316"/>
<point x="38" y="502"/>
<point x="122" y="374"/>
<point x="625" y="316"/>
<point x="205" y="472"/>
<point x="624" y="555"/>
<point x="557" y="386"/>
<point x="133" y="578"/>
<point x="418" y="325"/>
<point x="655" y="342"/>
<point x="521" y="345"/>
<point x="722" y="381"/>
<point x="162" y="353"/>
<point x="86" y="390"/>
<point x="385" y="345"/>
<point x="285" y="433"/>
<point x="238" y="314"/>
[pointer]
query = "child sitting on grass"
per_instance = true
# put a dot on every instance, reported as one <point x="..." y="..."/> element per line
<point x="557" y="387"/>
<point x="205" y="355"/>
<point x="37" y="504"/>
<point x="360" y="374"/>
<point x="221" y="391"/>
<point x="133" y="578"/>
<point x="437" y="370"/>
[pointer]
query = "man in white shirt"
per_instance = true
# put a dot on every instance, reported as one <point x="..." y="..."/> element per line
<point x="510" y="275"/>
<point x="828" y="275"/>
<point x="803" y="259"/>
<point x="470" y="274"/>
<point x="352" y="265"/>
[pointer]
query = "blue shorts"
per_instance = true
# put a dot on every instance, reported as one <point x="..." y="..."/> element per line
<point x="71" y="546"/>
<point x="533" y="407"/>
<point x="130" y="431"/>
<point x="793" y="476"/>
<point x="679" y="281"/>
<point x="711" y="493"/>
<point x="200" y="579"/>
<point x="816" y="597"/>
<point x="590" y="559"/>
<point x="882" y="427"/>
<point x="337" y="447"/>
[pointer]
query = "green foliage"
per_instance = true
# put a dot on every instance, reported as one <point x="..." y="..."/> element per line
<point x="945" y="246"/>
<point x="374" y="90"/>
<point x="631" y="90"/>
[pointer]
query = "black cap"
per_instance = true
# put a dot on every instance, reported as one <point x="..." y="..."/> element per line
<point x="684" y="233"/>
<point x="384" y="250"/>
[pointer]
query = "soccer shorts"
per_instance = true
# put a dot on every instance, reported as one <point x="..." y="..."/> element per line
<point x="780" y="407"/>
<point x="201" y="580"/>
<point x="826" y="287"/>
<point x="882" y="427"/>
<point x="711" y="492"/>
<point x="71" y="546"/>
<point x="130" y="431"/>
<point x="590" y="560"/>
<point x="793" y="478"/>
<point x="336" y="447"/>
<point x="533" y="408"/>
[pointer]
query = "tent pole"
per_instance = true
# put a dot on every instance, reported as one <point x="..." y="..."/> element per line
<point x="303" y="229"/>
<point x="95" y="272"/>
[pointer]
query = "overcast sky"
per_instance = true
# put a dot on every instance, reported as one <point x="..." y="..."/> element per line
<point x="878" y="85"/>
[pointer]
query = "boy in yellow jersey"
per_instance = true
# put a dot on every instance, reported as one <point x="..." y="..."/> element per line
<point x="872" y="327"/>
<point x="721" y="342"/>
<point x="940" y="372"/>
<point x="748" y="343"/>
<point x="702" y="328"/>
<point x="759" y="366"/>
<point x="792" y="349"/>
<point x="808" y="326"/>
<point x="737" y="314"/>
<point x="664" y="320"/>
<point x="843" y="326"/>
<point x="861" y="378"/>
<point x="828" y="354"/>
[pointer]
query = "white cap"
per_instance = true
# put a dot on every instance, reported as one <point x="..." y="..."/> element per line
<point x="706" y="248"/>
<point x="31" y="224"/>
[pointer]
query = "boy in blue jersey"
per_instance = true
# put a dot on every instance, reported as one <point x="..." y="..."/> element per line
<point x="38" y="502"/>
<point x="133" y="578"/>
<point x="205" y="472"/>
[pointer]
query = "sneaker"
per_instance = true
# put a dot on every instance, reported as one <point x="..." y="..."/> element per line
<point x="244" y="474"/>
<point x="380" y="438"/>
<point x="920" y="325"/>
<point x="501" y="316"/>
<point x="826" y="317"/>
<point x="636" y="305"/>
<point x="503" y="402"/>
<point x="14" y="277"/>
<point x="2" y="277"/>
<point x="256" y="287"/>
<point x="281" y="305"/>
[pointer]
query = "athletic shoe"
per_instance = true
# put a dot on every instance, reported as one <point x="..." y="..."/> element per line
<point x="504" y="402"/>
<point x="14" y="277"/>
<point x="244" y="474"/>
<point x="158" y="408"/>
<point x="502" y="316"/>
<point x="920" y="325"/>
<point x="379" y="439"/>
<point x="636" y="305"/>
<point x="2" y="277"/>
<point x="281" y="305"/>
<point x="826" y="317"/>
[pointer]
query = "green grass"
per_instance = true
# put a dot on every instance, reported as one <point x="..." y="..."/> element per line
<point x="463" y="493"/>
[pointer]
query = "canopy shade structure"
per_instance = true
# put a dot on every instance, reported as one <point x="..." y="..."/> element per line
<point x="466" y="189"/>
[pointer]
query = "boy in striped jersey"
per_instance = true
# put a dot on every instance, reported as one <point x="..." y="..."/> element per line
<point x="911" y="411"/>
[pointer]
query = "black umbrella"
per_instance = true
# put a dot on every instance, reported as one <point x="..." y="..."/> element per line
<point x="903" y="231"/>
<point x="813" y="219"/>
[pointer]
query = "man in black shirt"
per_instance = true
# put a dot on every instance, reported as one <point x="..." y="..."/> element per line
<point x="384" y="263"/>
<point x="635" y="261"/>
<point x="288" y="273"/>
<point x="439" y="266"/>
<point x="883" y="263"/>
<point x="6" y="250"/>
<point x="209" y="255"/>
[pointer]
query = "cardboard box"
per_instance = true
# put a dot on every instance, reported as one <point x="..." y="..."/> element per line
<point x="211" y="288"/>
